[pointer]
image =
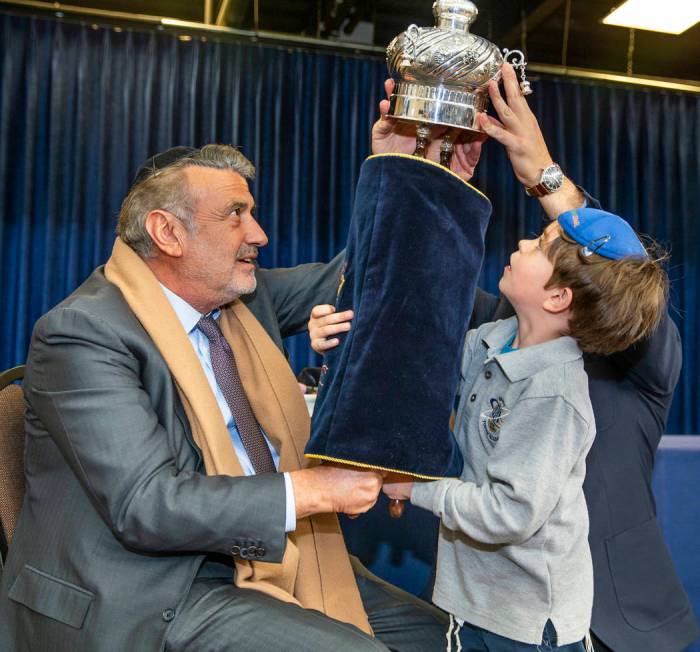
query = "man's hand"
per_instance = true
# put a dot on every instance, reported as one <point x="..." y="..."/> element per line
<point x="324" y="323"/>
<point x="330" y="488"/>
<point x="519" y="132"/>
<point x="390" y="136"/>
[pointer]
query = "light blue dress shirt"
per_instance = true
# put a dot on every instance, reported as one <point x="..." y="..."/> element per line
<point x="189" y="317"/>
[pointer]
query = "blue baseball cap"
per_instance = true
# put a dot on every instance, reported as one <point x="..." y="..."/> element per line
<point x="602" y="233"/>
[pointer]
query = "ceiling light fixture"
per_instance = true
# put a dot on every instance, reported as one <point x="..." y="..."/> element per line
<point x="671" y="16"/>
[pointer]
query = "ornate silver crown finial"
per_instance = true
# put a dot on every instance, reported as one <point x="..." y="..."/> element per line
<point x="517" y="59"/>
<point x="454" y="14"/>
<point x="442" y="73"/>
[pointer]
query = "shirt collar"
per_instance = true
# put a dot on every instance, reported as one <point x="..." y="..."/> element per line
<point x="187" y="315"/>
<point x="523" y="363"/>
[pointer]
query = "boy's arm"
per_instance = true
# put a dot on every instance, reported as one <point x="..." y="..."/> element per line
<point x="539" y="447"/>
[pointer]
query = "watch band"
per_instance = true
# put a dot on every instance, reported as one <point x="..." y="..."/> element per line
<point x="538" y="190"/>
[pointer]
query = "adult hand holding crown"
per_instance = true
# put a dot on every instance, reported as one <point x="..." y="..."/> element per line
<point x="441" y="76"/>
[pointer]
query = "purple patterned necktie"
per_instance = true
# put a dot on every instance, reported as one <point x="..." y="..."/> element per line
<point x="226" y="373"/>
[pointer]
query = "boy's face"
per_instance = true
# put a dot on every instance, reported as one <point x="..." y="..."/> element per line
<point x="524" y="279"/>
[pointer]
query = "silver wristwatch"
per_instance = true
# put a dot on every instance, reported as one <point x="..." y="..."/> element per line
<point x="551" y="180"/>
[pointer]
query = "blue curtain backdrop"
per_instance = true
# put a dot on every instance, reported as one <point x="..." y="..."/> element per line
<point x="83" y="106"/>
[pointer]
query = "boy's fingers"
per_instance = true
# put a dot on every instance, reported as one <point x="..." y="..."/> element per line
<point x="322" y="310"/>
<point x="332" y="329"/>
<point x="338" y="317"/>
<point x="321" y="344"/>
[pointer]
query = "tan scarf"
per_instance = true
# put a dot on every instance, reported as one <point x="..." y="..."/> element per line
<point x="315" y="572"/>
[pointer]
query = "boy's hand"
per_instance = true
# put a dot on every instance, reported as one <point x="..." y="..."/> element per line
<point x="390" y="136"/>
<point x="519" y="132"/>
<point x="397" y="487"/>
<point x="324" y="323"/>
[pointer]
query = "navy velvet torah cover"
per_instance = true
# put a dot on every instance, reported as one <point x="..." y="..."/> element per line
<point x="415" y="248"/>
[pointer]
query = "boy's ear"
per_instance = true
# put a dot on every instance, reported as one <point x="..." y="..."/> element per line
<point x="558" y="300"/>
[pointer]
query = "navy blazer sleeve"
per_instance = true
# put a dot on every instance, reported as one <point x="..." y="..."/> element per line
<point x="654" y="365"/>
<point x="284" y="297"/>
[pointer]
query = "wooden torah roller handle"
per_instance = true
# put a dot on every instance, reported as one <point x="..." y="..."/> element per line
<point x="396" y="507"/>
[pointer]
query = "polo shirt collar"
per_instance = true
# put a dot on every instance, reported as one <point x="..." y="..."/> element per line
<point x="523" y="363"/>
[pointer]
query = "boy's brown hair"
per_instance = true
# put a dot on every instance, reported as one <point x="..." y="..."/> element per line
<point x="615" y="302"/>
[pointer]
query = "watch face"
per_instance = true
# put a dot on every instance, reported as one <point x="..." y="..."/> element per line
<point x="552" y="178"/>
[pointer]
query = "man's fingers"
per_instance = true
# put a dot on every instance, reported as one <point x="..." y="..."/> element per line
<point x="494" y="121"/>
<point x="496" y="132"/>
<point x="516" y="99"/>
<point x="505" y="113"/>
<point x="474" y="153"/>
<point x="389" y="87"/>
<point x="384" y="108"/>
<point x="460" y="155"/>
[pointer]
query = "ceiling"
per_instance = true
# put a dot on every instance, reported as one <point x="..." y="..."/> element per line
<point x="590" y="43"/>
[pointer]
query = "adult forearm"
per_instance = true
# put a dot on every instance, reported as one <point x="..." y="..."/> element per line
<point x="567" y="198"/>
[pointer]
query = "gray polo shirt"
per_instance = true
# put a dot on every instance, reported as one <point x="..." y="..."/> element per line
<point x="513" y="548"/>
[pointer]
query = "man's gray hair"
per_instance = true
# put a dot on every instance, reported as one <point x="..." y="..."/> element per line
<point x="167" y="190"/>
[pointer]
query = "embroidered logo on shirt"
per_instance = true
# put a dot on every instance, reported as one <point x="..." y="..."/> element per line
<point x="492" y="419"/>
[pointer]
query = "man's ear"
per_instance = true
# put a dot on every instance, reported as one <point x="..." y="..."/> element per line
<point x="167" y="232"/>
<point x="558" y="300"/>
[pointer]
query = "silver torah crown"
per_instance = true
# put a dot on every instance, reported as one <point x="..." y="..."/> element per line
<point x="442" y="73"/>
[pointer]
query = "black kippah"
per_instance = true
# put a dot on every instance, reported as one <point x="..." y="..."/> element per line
<point x="155" y="163"/>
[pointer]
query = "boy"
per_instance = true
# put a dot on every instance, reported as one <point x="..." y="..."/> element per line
<point x="514" y="568"/>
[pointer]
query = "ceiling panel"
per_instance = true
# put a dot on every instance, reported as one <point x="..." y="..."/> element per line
<point x="591" y="44"/>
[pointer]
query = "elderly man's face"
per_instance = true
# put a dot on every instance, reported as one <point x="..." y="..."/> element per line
<point x="219" y="257"/>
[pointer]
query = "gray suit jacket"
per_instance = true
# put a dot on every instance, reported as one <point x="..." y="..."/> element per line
<point x="118" y="515"/>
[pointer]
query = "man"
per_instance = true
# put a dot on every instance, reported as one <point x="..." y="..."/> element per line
<point x="639" y="603"/>
<point x="164" y="449"/>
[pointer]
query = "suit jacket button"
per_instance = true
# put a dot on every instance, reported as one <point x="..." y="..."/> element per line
<point x="488" y="374"/>
<point x="260" y="552"/>
<point x="252" y="550"/>
<point x="168" y="615"/>
<point x="236" y="551"/>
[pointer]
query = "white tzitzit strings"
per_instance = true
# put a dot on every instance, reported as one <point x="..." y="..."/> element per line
<point x="453" y="631"/>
